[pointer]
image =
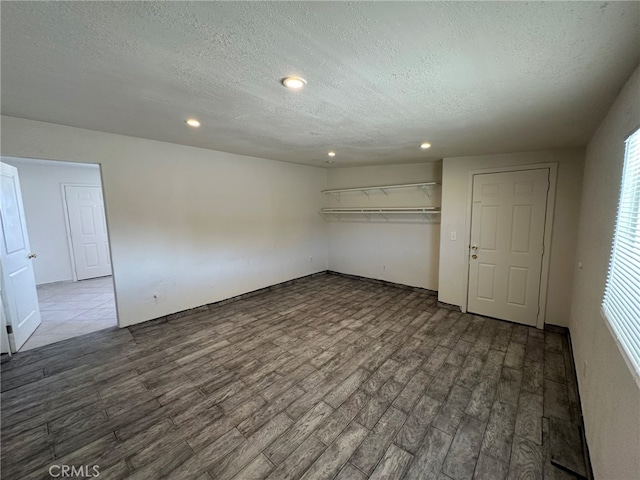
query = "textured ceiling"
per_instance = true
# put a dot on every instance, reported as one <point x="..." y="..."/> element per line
<point x="471" y="78"/>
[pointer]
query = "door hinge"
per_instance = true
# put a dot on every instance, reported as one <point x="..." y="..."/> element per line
<point x="9" y="329"/>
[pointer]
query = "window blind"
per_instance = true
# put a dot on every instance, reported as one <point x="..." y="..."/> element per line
<point x="621" y="303"/>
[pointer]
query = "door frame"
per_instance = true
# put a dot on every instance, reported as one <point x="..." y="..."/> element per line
<point x="107" y="220"/>
<point x="67" y="225"/>
<point x="5" y="345"/>
<point x="548" y="226"/>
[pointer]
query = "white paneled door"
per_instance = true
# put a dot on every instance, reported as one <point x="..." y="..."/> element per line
<point x="507" y="243"/>
<point x="19" y="293"/>
<point x="88" y="229"/>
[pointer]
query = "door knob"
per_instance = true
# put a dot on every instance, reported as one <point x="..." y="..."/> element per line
<point x="474" y="256"/>
<point x="474" y="247"/>
<point x="32" y="255"/>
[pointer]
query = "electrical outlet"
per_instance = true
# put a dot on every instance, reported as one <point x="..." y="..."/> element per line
<point x="384" y="267"/>
<point x="156" y="298"/>
<point x="310" y="259"/>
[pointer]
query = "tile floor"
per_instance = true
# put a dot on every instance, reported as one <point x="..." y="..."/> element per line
<point x="327" y="378"/>
<point x="69" y="309"/>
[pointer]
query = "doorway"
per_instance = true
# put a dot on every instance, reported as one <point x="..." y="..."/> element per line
<point x="65" y="225"/>
<point x="18" y="281"/>
<point x="509" y="229"/>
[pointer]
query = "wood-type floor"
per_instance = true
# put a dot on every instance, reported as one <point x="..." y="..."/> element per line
<point x="325" y="378"/>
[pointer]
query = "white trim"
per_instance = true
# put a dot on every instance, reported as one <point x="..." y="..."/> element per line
<point x="548" y="227"/>
<point x="632" y="369"/>
<point x="56" y="163"/>
<point x="113" y="275"/>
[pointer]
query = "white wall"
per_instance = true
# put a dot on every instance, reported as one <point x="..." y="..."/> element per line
<point x="191" y="225"/>
<point x="610" y="396"/>
<point x="45" y="212"/>
<point x="405" y="253"/>
<point x="453" y="254"/>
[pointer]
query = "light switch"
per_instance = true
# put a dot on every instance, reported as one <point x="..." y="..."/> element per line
<point x="454" y="236"/>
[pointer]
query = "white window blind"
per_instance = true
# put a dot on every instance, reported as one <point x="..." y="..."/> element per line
<point x="621" y="304"/>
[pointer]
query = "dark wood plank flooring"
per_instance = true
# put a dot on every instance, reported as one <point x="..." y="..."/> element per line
<point x="327" y="377"/>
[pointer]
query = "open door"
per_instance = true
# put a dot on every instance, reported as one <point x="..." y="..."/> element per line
<point x="19" y="294"/>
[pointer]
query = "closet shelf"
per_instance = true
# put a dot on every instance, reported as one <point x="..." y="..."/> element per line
<point x="427" y="212"/>
<point x="433" y="210"/>
<point x="425" y="186"/>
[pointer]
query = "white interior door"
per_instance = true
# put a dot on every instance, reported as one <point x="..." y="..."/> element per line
<point x="19" y="294"/>
<point x="507" y="243"/>
<point x="88" y="229"/>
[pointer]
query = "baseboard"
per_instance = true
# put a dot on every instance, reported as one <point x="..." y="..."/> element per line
<point x="549" y="327"/>
<point x="208" y="306"/>
<point x="574" y="374"/>
<point x="383" y="282"/>
<point x="449" y="306"/>
<point x="70" y="280"/>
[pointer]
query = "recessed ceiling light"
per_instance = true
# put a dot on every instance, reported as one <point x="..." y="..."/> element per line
<point x="332" y="154"/>
<point x="425" y="145"/>
<point x="331" y="162"/>
<point x="192" y="122"/>
<point x="294" y="83"/>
